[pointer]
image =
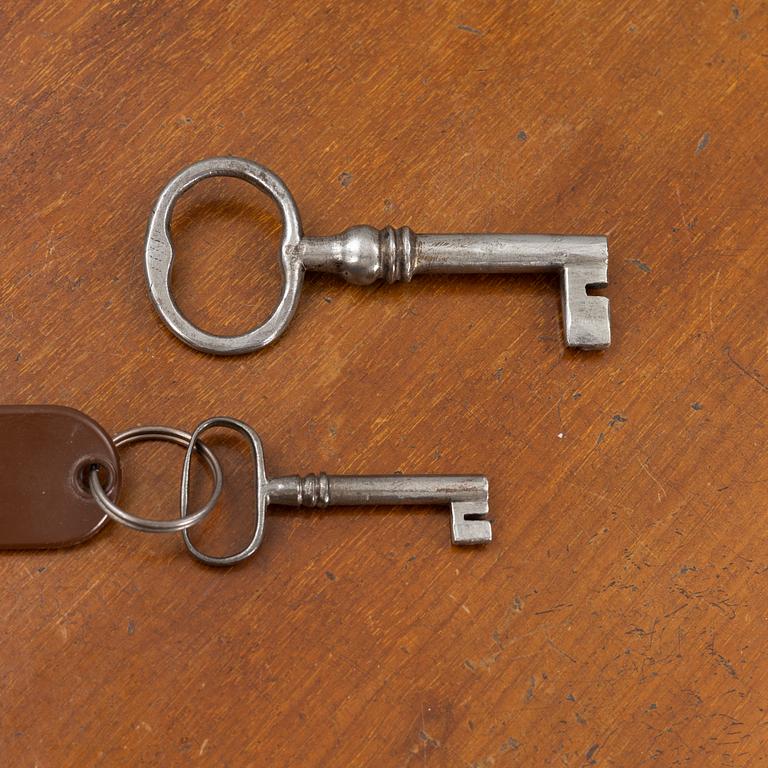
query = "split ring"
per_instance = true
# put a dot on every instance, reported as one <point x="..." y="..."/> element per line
<point x="169" y="435"/>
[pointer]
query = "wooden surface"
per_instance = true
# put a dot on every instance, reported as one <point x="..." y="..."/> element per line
<point x="619" y="617"/>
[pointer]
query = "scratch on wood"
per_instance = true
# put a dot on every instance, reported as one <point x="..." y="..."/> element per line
<point x="744" y="370"/>
<point x="553" y="609"/>
<point x="663" y="492"/>
<point x="472" y="30"/>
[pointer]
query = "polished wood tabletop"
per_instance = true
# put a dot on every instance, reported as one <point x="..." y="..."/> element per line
<point x="619" y="618"/>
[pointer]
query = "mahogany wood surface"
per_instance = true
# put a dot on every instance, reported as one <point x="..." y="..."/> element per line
<point x="619" y="616"/>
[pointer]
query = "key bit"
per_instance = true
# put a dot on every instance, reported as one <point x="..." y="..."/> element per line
<point x="363" y="255"/>
<point x="466" y="494"/>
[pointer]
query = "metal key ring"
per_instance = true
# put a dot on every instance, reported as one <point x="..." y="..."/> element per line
<point x="147" y="525"/>
<point x="158" y="256"/>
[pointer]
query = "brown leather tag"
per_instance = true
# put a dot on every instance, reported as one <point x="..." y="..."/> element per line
<point x="45" y="451"/>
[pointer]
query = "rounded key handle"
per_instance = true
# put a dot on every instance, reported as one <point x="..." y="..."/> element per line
<point x="260" y="490"/>
<point x="158" y="254"/>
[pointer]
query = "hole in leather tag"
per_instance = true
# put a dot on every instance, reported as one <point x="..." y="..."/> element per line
<point x="43" y="449"/>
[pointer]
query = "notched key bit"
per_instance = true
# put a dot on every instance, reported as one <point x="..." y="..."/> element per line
<point x="363" y="255"/>
<point x="466" y="494"/>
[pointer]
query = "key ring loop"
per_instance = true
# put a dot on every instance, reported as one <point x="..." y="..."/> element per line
<point x="147" y="525"/>
<point x="259" y="489"/>
<point x="158" y="256"/>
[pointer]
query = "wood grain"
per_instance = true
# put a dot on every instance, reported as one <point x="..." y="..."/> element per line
<point x="619" y="618"/>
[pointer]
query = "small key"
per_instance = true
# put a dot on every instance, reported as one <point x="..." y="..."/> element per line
<point x="466" y="494"/>
<point x="363" y="255"/>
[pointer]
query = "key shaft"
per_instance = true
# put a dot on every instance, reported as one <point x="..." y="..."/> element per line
<point x="363" y="255"/>
<point x="466" y="494"/>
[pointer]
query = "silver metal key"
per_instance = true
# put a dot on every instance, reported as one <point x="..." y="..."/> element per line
<point x="363" y="255"/>
<point x="467" y="495"/>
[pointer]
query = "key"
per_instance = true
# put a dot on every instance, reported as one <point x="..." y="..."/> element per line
<point x="363" y="255"/>
<point x="467" y="495"/>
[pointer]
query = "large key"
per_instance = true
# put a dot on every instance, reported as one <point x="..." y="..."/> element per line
<point x="466" y="494"/>
<point x="363" y="254"/>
